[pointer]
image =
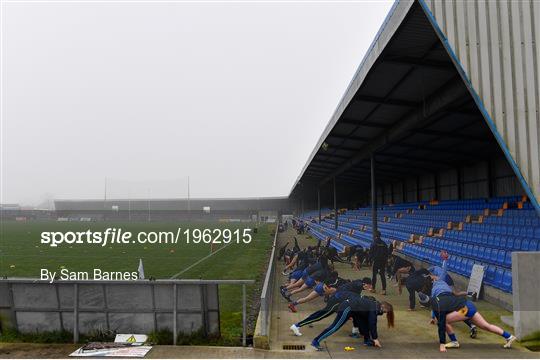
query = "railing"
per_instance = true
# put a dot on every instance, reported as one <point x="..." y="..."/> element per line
<point x="128" y="306"/>
<point x="267" y="290"/>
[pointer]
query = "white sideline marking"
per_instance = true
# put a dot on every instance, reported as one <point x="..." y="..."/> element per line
<point x="199" y="261"/>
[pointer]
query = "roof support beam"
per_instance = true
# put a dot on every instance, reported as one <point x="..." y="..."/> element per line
<point x="370" y="124"/>
<point x="386" y="101"/>
<point x="349" y="137"/>
<point x="437" y="102"/>
<point x="406" y="60"/>
<point x="414" y="159"/>
<point x="451" y="135"/>
<point x="396" y="85"/>
<point x="325" y="162"/>
<point x="334" y="156"/>
<point x="392" y="173"/>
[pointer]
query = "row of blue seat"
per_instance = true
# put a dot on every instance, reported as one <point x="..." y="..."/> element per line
<point x="527" y="211"/>
<point x="486" y="254"/>
<point x="494" y="241"/>
<point x="495" y="276"/>
<point x="516" y="230"/>
<point x="513" y="220"/>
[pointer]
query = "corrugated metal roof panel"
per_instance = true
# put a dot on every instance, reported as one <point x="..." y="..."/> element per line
<point x="495" y="42"/>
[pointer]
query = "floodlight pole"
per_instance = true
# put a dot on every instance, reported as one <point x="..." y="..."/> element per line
<point x="373" y="198"/>
<point x="335" y="205"/>
<point x="436" y="183"/>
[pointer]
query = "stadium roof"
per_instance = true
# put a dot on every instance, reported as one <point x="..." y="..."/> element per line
<point x="409" y="104"/>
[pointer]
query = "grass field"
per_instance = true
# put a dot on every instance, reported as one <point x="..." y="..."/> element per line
<point x="22" y="255"/>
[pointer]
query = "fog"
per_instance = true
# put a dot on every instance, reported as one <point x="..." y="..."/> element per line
<point x="134" y="97"/>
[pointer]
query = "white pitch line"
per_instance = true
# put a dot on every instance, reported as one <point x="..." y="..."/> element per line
<point x="199" y="261"/>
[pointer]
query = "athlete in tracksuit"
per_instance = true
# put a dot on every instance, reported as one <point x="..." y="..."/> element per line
<point x="379" y="257"/>
<point x="354" y="303"/>
<point x="308" y="277"/>
<point x="327" y="287"/>
<point x="449" y="308"/>
<point x="355" y="286"/>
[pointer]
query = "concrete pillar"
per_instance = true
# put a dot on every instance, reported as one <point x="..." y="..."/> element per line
<point x="418" y="188"/>
<point x="459" y="190"/>
<point x="436" y="183"/>
<point x="526" y="297"/>
<point x="335" y="205"/>
<point x="319" y="202"/>
<point x="489" y="179"/>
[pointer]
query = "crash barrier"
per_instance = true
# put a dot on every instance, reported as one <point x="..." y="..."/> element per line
<point x="142" y="306"/>
<point x="263" y="321"/>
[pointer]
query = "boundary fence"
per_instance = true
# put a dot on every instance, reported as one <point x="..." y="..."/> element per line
<point x="142" y="306"/>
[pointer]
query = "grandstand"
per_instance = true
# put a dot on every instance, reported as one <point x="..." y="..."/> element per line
<point x="429" y="146"/>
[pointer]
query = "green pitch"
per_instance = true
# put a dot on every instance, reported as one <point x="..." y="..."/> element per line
<point x="22" y="255"/>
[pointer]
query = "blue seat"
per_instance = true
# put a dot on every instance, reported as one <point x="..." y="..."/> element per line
<point x="490" y="274"/>
<point x="517" y="244"/>
<point x="508" y="259"/>
<point x="509" y="244"/>
<point x="470" y="264"/>
<point x="527" y="231"/>
<point x="494" y="240"/>
<point x="495" y="256"/>
<point x="486" y="254"/>
<point x="459" y="265"/>
<point x="464" y="266"/>
<point x="497" y="282"/>
<point x="507" y="281"/>
<point x="452" y="263"/>
<point x="500" y="241"/>
<point x="458" y="248"/>
<point x="525" y="244"/>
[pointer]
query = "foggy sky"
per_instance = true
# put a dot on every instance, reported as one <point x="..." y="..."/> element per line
<point x="234" y="95"/>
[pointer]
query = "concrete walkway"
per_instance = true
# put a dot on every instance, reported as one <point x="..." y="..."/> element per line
<point x="412" y="337"/>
